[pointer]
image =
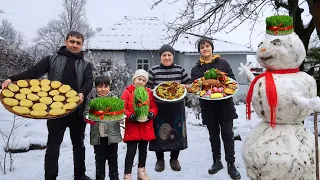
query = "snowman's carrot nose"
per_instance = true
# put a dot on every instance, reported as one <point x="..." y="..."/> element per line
<point x="263" y="49"/>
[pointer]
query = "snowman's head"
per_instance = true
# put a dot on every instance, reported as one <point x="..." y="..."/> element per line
<point x="280" y="49"/>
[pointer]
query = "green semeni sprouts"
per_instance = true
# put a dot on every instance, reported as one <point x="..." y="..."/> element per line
<point x="141" y="103"/>
<point x="107" y="108"/>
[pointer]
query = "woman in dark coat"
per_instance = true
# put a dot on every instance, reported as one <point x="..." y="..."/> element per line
<point x="170" y="123"/>
<point x="217" y="115"/>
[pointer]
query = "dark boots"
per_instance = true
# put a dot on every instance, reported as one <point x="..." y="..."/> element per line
<point x="233" y="172"/>
<point x="216" y="166"/>
<point x="83" y="177"/>
<point x="100" y="173"/>
<point x="159" y="167"/>
<point x="175" y="165"/>
<point x="100" y="177"/>
<point x="114" y="176"/>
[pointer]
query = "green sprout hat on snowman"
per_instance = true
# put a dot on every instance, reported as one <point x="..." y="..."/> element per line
<point x="279" y="25"/>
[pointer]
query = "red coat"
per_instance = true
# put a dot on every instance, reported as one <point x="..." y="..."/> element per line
<point x="138" y="131"/>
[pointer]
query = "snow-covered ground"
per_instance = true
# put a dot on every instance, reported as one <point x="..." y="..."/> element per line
<point x="195" y="160"/>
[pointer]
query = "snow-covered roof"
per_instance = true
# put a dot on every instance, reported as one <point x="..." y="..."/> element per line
<point x="149" y="33"/>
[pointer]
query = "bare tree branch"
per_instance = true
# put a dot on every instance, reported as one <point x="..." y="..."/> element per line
<point x="9" y="140"/>
<point x="13" y="58"/>
<point x="72" y="18"/>
<point x="156" y="3"/>
<point x="207" y="17"/>
<point x="12" y="37"/>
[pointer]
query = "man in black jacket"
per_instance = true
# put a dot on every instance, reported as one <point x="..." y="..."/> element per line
<point x="68" y="67"/>
<point x="217" y="115"/>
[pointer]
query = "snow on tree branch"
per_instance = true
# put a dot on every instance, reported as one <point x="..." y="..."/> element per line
<point x="12" y="58"/>
<point x="11" y="36"/>
<point x="13" y="61"/>
<point x="117" y="70"/>
<point x="120" y="74"/>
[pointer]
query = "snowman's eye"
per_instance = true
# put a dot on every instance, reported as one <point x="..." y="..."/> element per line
<point x="276" y="42"/>
<point x="260" y="44"/>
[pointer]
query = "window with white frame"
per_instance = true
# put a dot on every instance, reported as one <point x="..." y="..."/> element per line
<point x="109" y="64"/>
<point x="106" y="65"/>
<point x="143" y="63"/>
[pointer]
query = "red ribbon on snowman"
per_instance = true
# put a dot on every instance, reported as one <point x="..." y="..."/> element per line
<point x="271" y="92"/>
<point x="276" y="29"/>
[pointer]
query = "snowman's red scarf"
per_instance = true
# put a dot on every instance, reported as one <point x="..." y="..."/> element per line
<point x="271" y="92"/>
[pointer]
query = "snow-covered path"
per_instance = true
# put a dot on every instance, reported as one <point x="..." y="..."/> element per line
<point x="195" y="160"/>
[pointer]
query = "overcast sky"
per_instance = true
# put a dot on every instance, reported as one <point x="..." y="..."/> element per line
<point x="28" y="15"/>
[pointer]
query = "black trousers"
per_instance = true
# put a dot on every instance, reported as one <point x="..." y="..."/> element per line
<point x="104" y="152"/>
<point x="216" y="124"/>
<point x="56" y="129"/>
<point x="131" y="152"/>
<point x="173" y="155"/>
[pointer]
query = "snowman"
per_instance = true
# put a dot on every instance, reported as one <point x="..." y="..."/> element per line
<point x="280" y="147"/>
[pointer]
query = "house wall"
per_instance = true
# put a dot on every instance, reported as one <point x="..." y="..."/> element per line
<point x="132" y="56"/>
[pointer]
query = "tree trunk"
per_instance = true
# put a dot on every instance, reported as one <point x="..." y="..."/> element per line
<point x="314" y="7"/>
<point x="303" y="32"/>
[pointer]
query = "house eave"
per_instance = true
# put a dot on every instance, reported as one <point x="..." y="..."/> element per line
<point x="186" y="53"/>
<point x="223" y="52"/>
<point x="104" y="49"/>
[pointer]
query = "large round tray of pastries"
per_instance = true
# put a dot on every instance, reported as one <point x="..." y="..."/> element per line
<point x="39" y="99"/>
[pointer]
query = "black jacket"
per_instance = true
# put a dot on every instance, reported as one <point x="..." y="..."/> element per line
<point x="222" y="108"/>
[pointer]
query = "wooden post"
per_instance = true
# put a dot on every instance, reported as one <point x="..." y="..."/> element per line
<point x="316" y="143"/>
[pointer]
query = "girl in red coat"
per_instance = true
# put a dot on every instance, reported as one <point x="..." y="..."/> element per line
<point x="138" y="133"/>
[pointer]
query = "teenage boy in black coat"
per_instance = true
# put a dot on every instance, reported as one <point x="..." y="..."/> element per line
<point x="217" y="115"/>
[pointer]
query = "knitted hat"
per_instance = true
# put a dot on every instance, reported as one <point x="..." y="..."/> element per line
<point x="140" y="72"/>
<point x="166" y="48"/>
<point x="279" y="25"/>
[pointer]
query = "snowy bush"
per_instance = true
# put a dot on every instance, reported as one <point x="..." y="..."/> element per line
<point x="240" y="99"/>
<point x="93" y="58"/>
<point x="13" y="61"/>
<point x="191" y="101"/>
<point x="119" y="72"/>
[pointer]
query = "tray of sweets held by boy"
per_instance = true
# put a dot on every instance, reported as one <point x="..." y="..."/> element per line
<point x="215" y="85"/>
<point x="106" y="110"/>
<point x="39" y="99"/>
<point x="170" y="92"/>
